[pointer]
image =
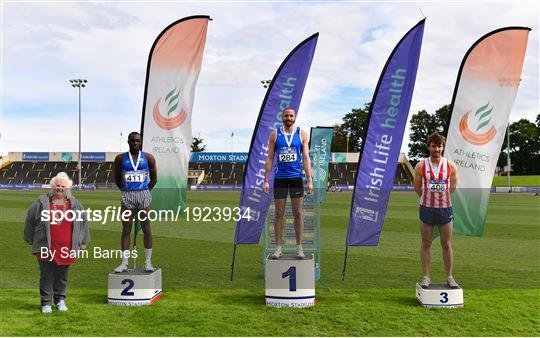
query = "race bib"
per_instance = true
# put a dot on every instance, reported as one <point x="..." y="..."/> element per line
<point x="134" y="176"/>
<point x="287" y="155"/>
<point x="437" y="185"/>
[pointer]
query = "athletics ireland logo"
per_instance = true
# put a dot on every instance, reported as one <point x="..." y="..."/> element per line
<point x="174" y="117"/>
<point x="322" y="175"/>
<point x="478" y="136"/>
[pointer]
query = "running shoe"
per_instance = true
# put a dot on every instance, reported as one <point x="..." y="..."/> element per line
<point x="426" y="282"/>
<point x="452" y="284"/>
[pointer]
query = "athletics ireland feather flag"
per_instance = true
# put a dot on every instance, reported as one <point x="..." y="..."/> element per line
<point x="485" y="90"/>
<point x="320" y="139"/>
<point x="173" y="68"/>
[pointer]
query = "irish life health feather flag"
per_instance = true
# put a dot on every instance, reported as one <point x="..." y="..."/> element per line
<point x="382" y="143"/>
<point x="285" y="90"/>
<point x="485" y="90"/>
<point x="173" y="68"/>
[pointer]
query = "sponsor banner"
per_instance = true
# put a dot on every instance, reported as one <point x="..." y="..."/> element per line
<point x="201" y="157"/>
<point x="173" y="69"/>
<point x="20" y="186"/>
<point x="403" y="188"/>
<point x="345" y="158"/>
<point x="35" y="186"/>
<point x="321" y="141"/>
<point x="339" y="157"/>
<point x="485" y="91"/>
<point x="394" y="187"/>
<point x="39" y="156"/>
<point x="285" y="90"/>
<point x="382" y="143"/>
<point x="92" y="156"/>
<point x="67" y="157"/>
<point x="216" y="187"/>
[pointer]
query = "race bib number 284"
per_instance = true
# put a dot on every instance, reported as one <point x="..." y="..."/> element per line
<point x="287" y="157"/>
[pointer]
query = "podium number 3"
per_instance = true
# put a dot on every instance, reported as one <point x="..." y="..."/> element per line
<point x="129" y="286"/>
<point x="444" y="297"/>
<point x="291" y="273"/>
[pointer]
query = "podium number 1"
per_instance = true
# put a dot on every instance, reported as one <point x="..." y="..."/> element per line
<point x="291" y="273"/>
<point x="129" y="286"/>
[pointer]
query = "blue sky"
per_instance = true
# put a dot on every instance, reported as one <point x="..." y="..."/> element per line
<point x="44" y="44"/>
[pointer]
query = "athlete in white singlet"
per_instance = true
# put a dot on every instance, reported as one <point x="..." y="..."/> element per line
<point x="435" y="180"/>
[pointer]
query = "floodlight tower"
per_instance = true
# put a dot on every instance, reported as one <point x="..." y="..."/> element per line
<point x="79" y="83"/>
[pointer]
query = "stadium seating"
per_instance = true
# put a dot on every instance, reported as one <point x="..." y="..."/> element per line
<point x="95" y="173"/>
<point x="345" y="174"/>
<point x="215" y="173"/>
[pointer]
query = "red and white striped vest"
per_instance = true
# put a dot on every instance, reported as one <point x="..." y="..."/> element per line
<point x="436" y="184"/>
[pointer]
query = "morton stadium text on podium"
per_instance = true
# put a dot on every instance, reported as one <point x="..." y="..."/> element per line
<point x="290" y="282"/>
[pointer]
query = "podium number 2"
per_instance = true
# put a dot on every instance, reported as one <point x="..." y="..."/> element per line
<point x="291" y="273"/>
<point x="129" y="286"/>
<point x="444" y="297"/>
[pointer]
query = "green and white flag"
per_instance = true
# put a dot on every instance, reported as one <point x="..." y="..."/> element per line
<point x="487" y="85"/>
<point x="173" y="69"/>
<point x="321" y="141"/>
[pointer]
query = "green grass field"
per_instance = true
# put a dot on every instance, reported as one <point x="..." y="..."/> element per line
<point x="517" y="181"/>
<point x="500" y="274"/>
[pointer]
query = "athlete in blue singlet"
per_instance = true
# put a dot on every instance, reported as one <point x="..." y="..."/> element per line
<point x="135" y="175"/>
<point x="289" y="144"/>
<point x="135" y="172"/>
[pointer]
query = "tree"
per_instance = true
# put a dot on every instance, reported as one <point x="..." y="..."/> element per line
<point x="354" y="125"/>
<point x="197" y="144"/>
<point x="339" y="140"/>
<point x="422" y="125"/>
<point x="524" y="148"/>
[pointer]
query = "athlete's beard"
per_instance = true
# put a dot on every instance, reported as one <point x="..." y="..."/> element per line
<point x="288" y="123"/>
<point x="435" y="155"/>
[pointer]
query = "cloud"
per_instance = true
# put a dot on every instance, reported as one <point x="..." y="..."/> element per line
<point x="46" y="44"/>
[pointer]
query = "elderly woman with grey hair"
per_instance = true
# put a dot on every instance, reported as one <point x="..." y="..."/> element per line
<point x="54" y="240"/>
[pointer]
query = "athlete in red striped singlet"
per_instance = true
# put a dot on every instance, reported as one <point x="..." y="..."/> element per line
<point x="435" y="180"/>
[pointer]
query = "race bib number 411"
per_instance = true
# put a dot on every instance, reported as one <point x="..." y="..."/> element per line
<point x="134" y="176"/>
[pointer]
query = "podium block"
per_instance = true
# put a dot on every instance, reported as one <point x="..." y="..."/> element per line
<point x="134" y="287"/>
<point x="440" y="296"/>
<point x="290" y="282"/>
